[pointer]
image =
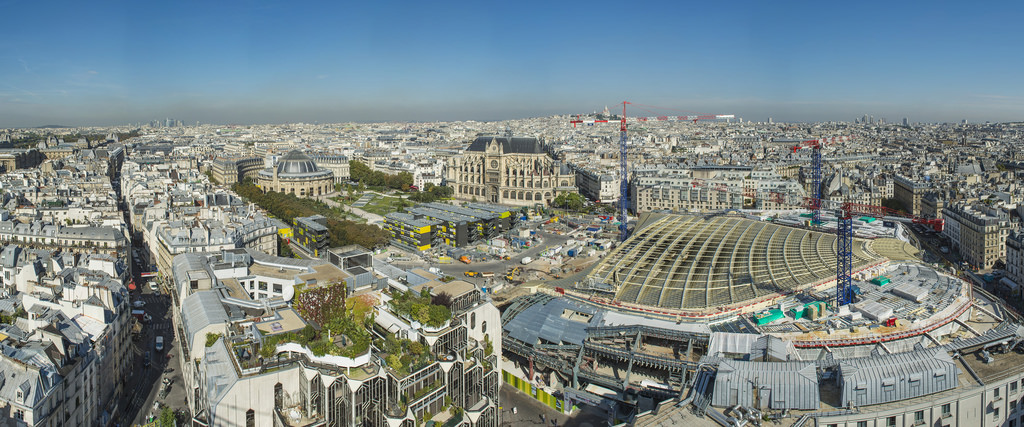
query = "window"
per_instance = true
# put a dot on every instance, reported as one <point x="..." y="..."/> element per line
<point x="890" y="422"/>
<point x="862" y="424"/>
<point x="483" y="326"/>
<point x="250" y="418"/>
<point x="263" y="286"/>
<point x="946" y="411"/>
<point x="918" y="417"/>
<point x="1013" y="387"/>
<point x="472" y="321"/>
<point x="995" y="414"/>
<point x="277" y="288"/>
<point x="1013" y="405"/>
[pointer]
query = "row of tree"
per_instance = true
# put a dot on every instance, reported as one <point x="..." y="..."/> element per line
<point x="362" y="174"/>
<point x="287" y="207"/>
<point x="432" y="193"/>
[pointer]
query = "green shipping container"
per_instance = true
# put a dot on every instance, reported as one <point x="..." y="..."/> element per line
<point x="880" y="280"/>
<point x="769" y="316"/>
<point x="868" y="219"/>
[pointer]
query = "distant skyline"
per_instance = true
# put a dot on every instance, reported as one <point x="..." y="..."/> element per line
<point x="113" y="63"/>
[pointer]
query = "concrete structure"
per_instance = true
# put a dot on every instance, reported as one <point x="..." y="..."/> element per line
<point x="510" y="171"/>
<point x="229" y="383"/>
<point x="296" y="174"/>
<point x="246" y="274"/>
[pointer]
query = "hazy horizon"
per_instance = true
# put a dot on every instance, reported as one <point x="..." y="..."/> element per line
<point x="108" y="65"/>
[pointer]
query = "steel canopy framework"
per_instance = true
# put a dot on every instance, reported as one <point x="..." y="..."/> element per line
<point x="698" y="263"/>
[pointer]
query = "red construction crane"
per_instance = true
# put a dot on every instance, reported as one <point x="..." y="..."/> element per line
<point x="883" y="212"/>
<point x="624" y="183"/>
<point x="815" y="144"/>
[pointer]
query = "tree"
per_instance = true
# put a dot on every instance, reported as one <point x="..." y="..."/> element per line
<point x="167" y="417"/>
<point x="422" y="313"/>
<point x="437" y="315"/>
<point x="442" y="299"/>
<point x="394" y="362"/>
<point x="570" y="201"/>
<point x="416" y="348"/>
<point x="308" y="333"/>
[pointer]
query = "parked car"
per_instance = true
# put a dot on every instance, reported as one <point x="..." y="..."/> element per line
<point x="154" y="287"/>
<point x="159" y="343"/>
<point x="139" y="303"/>
<point x="145" y="360"/>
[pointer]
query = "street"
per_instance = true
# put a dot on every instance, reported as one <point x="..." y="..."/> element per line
<point x="529" y="411"/>
<point x="144" y="383"/>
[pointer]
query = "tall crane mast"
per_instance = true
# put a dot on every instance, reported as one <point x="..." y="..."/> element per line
<point x="844" y="241"/>
<point x="624" y="182"/>
<point x="814" y="202"/>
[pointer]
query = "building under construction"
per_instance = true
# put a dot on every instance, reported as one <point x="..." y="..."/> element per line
<point x="733" y="320"/>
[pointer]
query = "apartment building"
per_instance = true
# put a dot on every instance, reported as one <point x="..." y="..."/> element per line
<point x="910" y="192"/>
<point x="978" y="236"/>
<point x="599" y="186"/>
<point x="66" y="355"/>
<point x="1015" y="257"/>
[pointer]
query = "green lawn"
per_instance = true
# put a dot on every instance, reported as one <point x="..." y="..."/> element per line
<point x="380" y="205"/>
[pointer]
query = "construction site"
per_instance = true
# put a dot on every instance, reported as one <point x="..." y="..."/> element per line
<point x="725" y="319"/>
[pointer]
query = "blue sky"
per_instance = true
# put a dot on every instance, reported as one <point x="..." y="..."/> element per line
<point x="104" y="63"/>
